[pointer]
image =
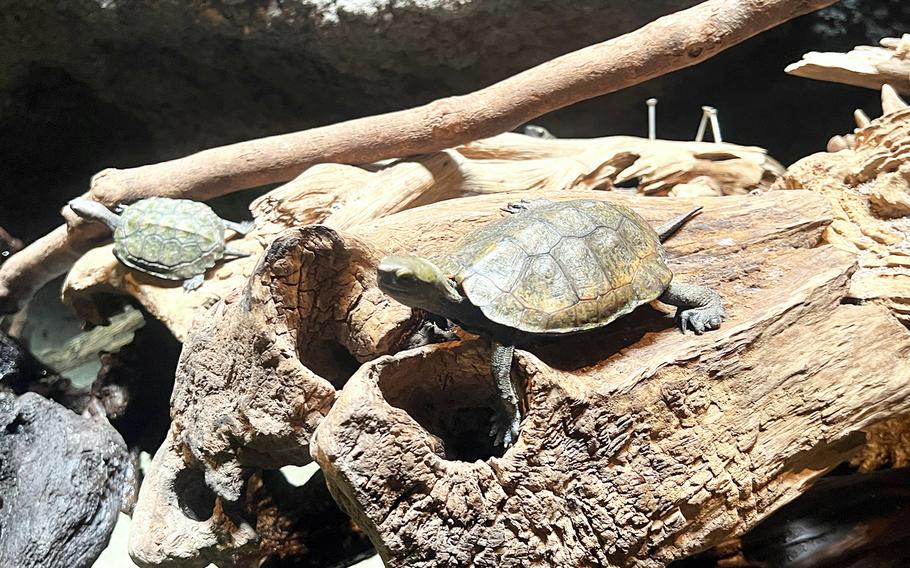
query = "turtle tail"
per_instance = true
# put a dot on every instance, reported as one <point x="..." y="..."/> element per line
<point x="666" y="230"/>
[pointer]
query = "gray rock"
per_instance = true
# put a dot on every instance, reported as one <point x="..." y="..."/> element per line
<point x="63" y="479"/>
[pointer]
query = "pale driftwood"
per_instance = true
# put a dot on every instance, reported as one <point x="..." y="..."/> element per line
<point x="667" y="44"/>
<point x="85" y="347"/>
<point x="173" y="500"/>
<point x="869" y="188"/>
<point x="640" y="444"/>
<point x="864" y="66"/>
<point x="346" y="197"/>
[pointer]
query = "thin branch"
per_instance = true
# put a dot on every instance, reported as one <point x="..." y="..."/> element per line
<point x="670" y="43"/>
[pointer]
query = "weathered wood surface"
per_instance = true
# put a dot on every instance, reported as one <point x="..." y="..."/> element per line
<point x="641" y="444"/>
<point x="869" y="189"/>
<point x="346" y="197"/>
<point x="63" y="479"/>
<point x="260" y="368"/>
<point x="864" y="66"/>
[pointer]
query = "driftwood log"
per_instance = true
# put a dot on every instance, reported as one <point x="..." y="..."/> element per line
<point x="345" y="197"/>
<point x="640" y="404"/>
<point x="667" y="44"/>
<point x="641" y="445"/>
<point x="63" y="480"/>
<point x="864" y="66"/>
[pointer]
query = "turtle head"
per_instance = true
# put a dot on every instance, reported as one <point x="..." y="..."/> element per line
<point x="94" y="211"/>
<point x="416" y="282"/>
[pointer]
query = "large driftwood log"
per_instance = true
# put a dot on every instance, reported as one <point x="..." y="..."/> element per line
<point x="640" y="444"/>
<point x="345" y="197"/>
<point x="63" y="479"/>
<point x="261" y="367"/>
<point x="864" y="66"/>
<point x="869" y="189"/>
<point x="667" y="44"/>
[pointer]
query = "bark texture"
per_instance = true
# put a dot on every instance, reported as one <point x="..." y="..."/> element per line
<point x="640" y="444"/>
<point x="63" y="479"/>
<point x="261" y="367"/>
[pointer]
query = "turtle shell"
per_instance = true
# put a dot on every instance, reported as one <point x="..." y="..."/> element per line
<point x="169" y="238"/>
<point x="560" y="267"/>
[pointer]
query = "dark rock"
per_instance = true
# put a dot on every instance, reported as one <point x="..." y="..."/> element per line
<point x="63" y="479"/>
<point x="21" y="372"/>
<point x="850" y="521"/>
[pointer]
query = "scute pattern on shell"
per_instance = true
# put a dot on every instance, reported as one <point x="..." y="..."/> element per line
<point x="173" y="239"/>
<point x="561" y="267"/>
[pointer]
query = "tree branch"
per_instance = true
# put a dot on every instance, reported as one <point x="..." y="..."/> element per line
<point x="673" y="42"/>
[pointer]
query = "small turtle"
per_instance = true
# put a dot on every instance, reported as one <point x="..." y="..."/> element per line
<point x="550" y="268"/>
<point x="174" y="239"/>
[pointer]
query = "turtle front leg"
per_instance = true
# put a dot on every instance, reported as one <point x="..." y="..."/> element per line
<point x="699" y="308"/>
<point x="506" y="419"/>
<point x="231" y="253"/>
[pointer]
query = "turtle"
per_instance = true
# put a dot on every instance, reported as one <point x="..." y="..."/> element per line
<point x="548" y="268"/>
<point x="174" y="239"/>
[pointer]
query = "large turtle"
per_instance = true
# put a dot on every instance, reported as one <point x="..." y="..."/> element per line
<point x="550" y="268"/>
<point x="174" y="239"/>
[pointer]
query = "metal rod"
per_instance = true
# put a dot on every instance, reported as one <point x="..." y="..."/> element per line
<point x="715" y="126"/>
<point x="652" y="118"/>
<point x="708" y="115"/>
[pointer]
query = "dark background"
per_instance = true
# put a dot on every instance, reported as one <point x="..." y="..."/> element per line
<point x="87" y="84"/>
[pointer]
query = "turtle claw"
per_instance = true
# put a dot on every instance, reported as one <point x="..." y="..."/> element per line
<point x="700" y="319"/>
<point x="504" y="429"/>
<point x="193" y="283"/>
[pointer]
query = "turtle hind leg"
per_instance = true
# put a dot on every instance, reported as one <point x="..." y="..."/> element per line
<point x="505" y="421"/>
<point x="232" y="253"/>
<point x="699" y="308"/>
<point x="241" y="228"/>
<point x="193" y="282"/>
